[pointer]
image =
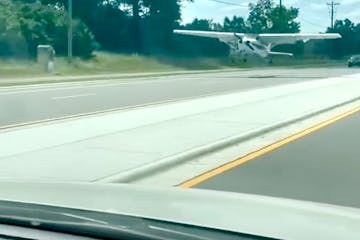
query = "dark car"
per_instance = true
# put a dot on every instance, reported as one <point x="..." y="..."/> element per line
<point x="354" y="61"/>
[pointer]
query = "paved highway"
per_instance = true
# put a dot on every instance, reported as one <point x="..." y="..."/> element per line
<point x="323" y="167"/>
<point x="35" y="103"/>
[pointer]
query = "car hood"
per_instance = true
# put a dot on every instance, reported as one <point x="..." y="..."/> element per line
<point x="251" y="214"/>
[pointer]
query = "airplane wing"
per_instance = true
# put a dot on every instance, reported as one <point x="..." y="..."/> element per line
<point x="285" y="38"/>
<point x="222" y="36"/>
<point x="266" y="38"/>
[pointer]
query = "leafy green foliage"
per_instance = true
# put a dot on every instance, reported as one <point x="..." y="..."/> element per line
<point x="159" y="20"/>
<point x="265" y="17"/>
<point x="11" y="41"/>
<point x="200" y="24"/>
<point x="27" y="24"/>
<point x="84" y="43"/>
<point x="40" y="25"/>
<point x="282" y="20"/>
<point x="258" y="20"/>
<point x="236" y="24"/>
<point x="350" y="42"/>
<point x="128" y="25"/>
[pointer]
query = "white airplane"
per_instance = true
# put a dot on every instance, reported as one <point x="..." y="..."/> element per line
<point x="243" y="45"/>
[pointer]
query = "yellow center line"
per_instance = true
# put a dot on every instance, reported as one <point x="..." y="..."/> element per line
<point x="252" y="156"/>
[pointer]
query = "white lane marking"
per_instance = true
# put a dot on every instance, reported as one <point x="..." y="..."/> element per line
<point x="125" y="79"/>
<point x="84" y="85"/>
<point x="112" y="110"/>
<point x="73" y="96"/>
<point x="98" y="83"/>
<point x="70" y="85"/>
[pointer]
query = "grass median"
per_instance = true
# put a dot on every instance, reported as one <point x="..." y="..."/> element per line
<point x="15" y="72"/>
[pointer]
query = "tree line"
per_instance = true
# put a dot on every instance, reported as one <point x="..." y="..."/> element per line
<point x="144" y="26"/>
<point x="24" y="24"/>
<point x="350" y="42"/>
<point x="264" y="17"/>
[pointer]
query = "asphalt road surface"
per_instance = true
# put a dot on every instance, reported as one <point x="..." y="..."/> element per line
<point x="29" y="104"/>
<point x="322" y="167"/>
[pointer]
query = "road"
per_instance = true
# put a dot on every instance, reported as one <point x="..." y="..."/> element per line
<point x="37" y="103"/>
<point x="322" y="167"/>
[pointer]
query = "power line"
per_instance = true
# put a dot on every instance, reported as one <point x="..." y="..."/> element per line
<point x="332" y="6"/>
<point x="229" y="3"/>
<point x="312" y="23"/>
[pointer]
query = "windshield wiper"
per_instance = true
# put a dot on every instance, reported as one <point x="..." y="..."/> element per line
<point x="74" y="224"/>
<point x="104" y="225"/>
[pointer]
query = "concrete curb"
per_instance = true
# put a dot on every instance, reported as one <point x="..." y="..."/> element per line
<point x="169" y="162"/>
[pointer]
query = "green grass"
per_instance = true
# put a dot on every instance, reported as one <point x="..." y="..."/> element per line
<point x="106" y="63"/>
<point x="103" y="63"/>
<point x="14" y="72"/>
<point x="16" y="68"/>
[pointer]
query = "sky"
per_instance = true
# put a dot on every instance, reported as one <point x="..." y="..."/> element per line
<point x="314" y="15"/>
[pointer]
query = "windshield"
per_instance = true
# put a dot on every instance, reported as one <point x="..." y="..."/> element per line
<point x="257" y="97"/>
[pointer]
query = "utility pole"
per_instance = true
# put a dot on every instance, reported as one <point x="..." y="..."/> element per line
<point x="332" y="12"/>
<point x="280" y="6"/>
<point x="70" y="30"/>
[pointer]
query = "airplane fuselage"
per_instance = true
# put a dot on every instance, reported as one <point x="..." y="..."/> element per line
<point x="245" y="47"/>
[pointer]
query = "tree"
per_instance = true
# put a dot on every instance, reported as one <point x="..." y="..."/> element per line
<point x="134" y="32"/>
<point x="114" y="29"/>
<point x="350" y="41"/>
<point x="236" y="24"/>
<point x="217" y="27"/>
<point x="203" y="25"/>
<point x="25" y="24"/>
<point x="282" y="20"/>
<point x="12" y="43"/>
<point x="258" y="19"/>
<point x="264" y="17"/>
<point x="148" y="25"/>
<point x="200" y="25"/>
<point x="118" y="25"/>
<point x="83" y="9"/>
<point x="160" y="18"/>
